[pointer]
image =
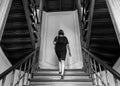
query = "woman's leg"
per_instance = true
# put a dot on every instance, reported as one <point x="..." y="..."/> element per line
<point x="60" y="64"/>
<point x="60" y="67"/>
<point x="63" y="67"/>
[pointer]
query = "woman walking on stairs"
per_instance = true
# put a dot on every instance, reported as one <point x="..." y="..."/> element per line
<point x="61" y="45"/>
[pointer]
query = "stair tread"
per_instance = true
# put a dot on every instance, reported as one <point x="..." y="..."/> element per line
<point x="100" y="5"/>
<point x="49" y="74"/>
<point x="16" y="15"/>
<point x="102" y="20"/>
<point x="104" y="46"/>
<point x="103" y="10"/>
<point x="57" y="70"/>
<point x="103" y="30"/>
<point x="62" y="83"/>
<point x="103" y="53"/>
<point x="71" y="84"/>
<point x="16" y="40"/>
<point x="59" y="80"/>
<point x="17" y="32"/>
<point x="18" y="47"/>
<point x="104" y="38"/>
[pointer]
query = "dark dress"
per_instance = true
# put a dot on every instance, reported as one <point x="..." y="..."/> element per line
<point x="60" y="47"/>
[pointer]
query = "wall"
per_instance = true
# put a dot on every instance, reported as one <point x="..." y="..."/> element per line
<point x="4" y="63"/>
<point x="4" y="10"/>
<point x="114" y="9"/>
<point x="51" y="24"/>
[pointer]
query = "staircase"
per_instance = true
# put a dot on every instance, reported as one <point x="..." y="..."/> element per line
<point x="103" y="40"/>
<point x="16" y="42"/>
<point x="51" y="77"/>
<point x="59" y="5"/>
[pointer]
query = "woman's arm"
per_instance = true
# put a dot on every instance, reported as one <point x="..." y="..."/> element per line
<point x="69" y="49"/>
<point x="54" y="42"/>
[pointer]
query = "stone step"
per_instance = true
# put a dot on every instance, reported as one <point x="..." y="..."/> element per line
<point x="57" y="76"/>
<point x="60" y="81"/>
<point x="62" y="85"/>
<point x="55" y="71"/>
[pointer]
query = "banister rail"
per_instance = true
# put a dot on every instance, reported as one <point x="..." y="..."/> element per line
<point x="33" y="20"/>
<point x="15" y="66"/>
<point x="87" y="15"/>
<point x="90" y="16"/>
<point x="24" y="67"/>
<point x="115" y="73"/>
<point x="29" y="20"/>
<point x="96" y="67"/>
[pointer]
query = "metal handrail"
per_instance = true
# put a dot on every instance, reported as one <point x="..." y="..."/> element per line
<point x="20" y="72"/>
<point x="110" y="69"/>
<point x="2" y="75"/>
<point x="87" y="14"/>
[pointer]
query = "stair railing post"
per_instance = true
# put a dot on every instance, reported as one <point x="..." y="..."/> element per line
<point x="3" y="81"/>
<point x="100" y="72"/>
<point x="19" y="76"/>
<point x="24" y="73"/>
<point x="33" y="63"/>
<point x="116" y="81"/>
<point x="85" y="61"/>
<point x="107" y="81"/>
<point x="28" y="71"/>
<point x="95" y="69"/>
<point x="92" y="71"/>
<point x="12" y="79"/>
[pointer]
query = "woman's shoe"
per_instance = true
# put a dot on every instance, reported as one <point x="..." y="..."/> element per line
<point x="62" y="76"/>
<point x="60" y="73"/>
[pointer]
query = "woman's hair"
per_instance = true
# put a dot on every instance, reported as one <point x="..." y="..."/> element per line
<point x="60" y="32"/>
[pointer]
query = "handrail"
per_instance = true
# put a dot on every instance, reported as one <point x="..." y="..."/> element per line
<point x="79" y="9"/>
<point x="90" y="23"/>
<point x="87" y="15"/>
<point x="29" y="22"/>
<point x="20" y="72"/>
<point x="114" y="72"/>
<point x="17" y="64"/>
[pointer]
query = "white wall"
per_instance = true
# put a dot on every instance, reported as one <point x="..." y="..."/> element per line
<point x="51" y="24"/>
<point x="4" y="10"/>
<point x="114" y="9"/>
<point x="4" y="63"/>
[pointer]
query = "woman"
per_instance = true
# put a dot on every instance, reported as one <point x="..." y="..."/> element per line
<point x="61" y="45"/>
